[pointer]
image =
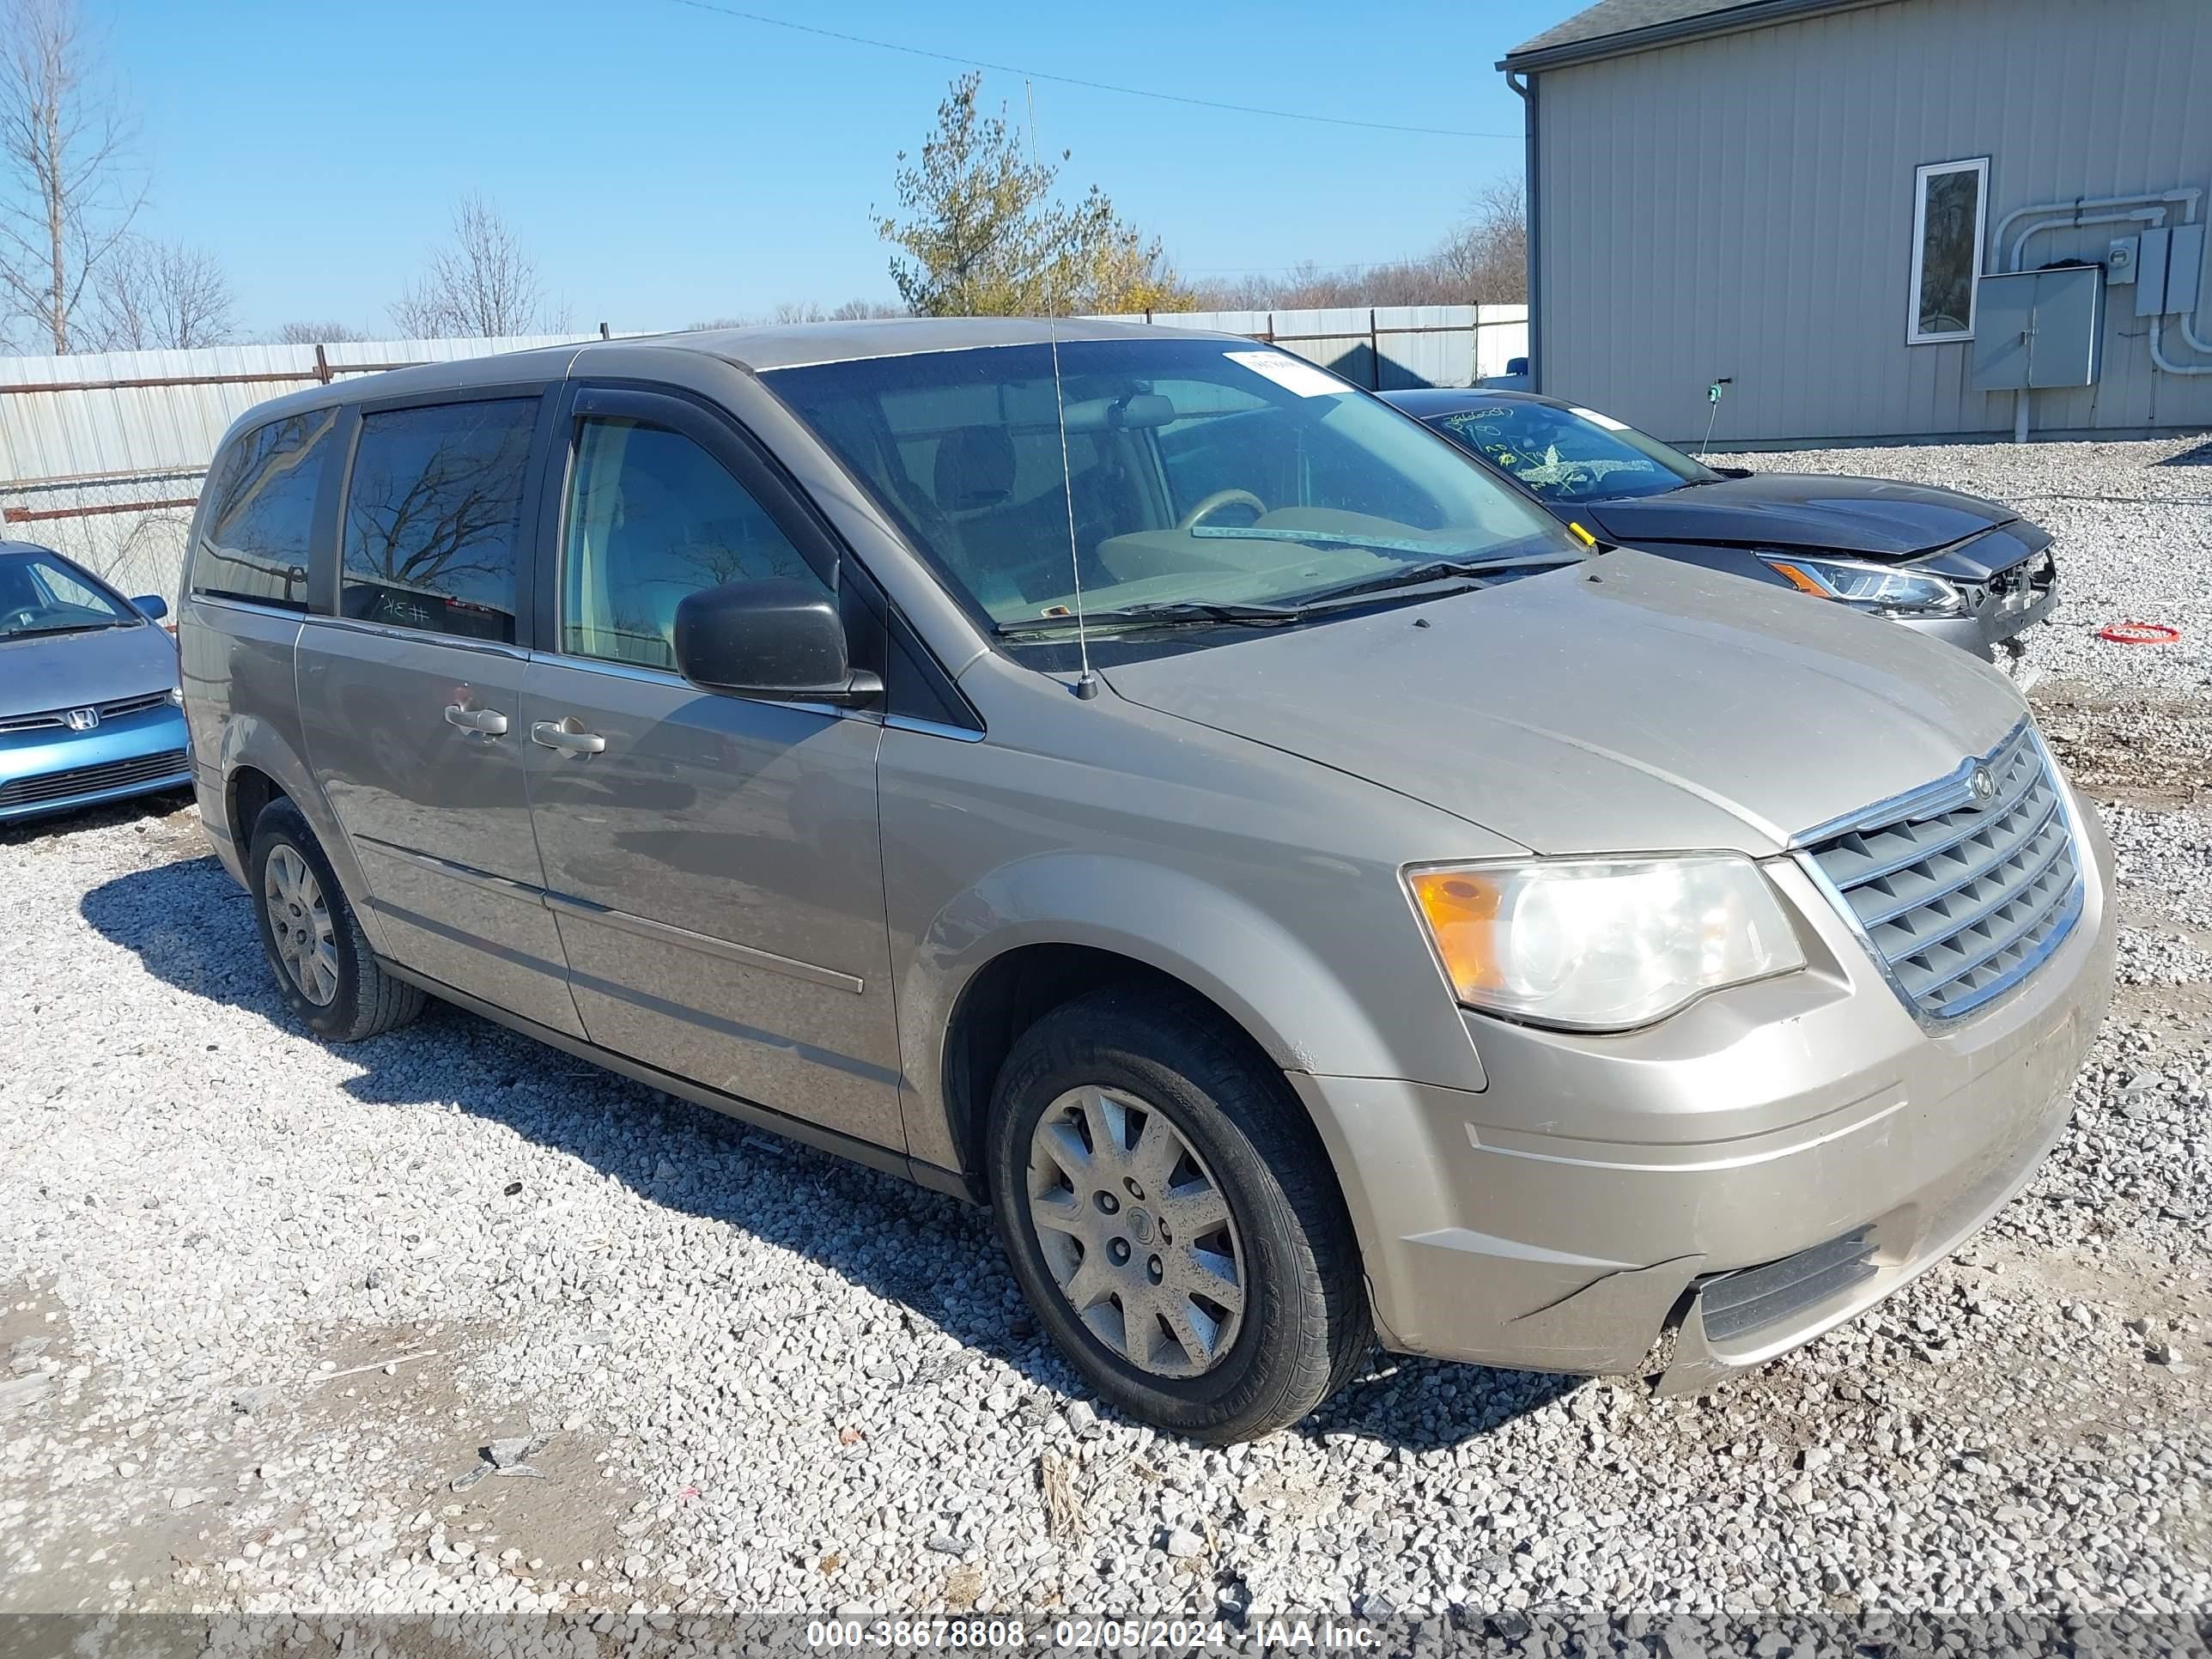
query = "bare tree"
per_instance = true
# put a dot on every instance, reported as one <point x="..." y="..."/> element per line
<point x="1488" y="255"/>
<point x="149" y="295"/>
<point x="67" y="189"/>
<point x="484" y="283"/>
<point x="310" y="333"/>
<point x="1484" y="261"/>
<point x="1419" y="282"/>
<point x="809" y="311"/>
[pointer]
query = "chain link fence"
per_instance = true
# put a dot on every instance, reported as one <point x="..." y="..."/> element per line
<point x="129" y="530"/>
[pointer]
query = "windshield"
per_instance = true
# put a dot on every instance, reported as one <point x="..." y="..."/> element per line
<point x="1197" y="473"/>
<point x="42" y="593"/>
<point x="1570" y="454"/>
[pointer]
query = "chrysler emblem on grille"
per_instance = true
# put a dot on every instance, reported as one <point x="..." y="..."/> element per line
<point x="1984" y="785"/>
<point x="83" y="720"/>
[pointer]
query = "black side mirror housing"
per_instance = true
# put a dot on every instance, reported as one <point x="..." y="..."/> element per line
<point x="152" y="606"/>
<point x="780" y="640"/>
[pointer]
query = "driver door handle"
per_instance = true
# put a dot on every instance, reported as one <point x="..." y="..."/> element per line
<point x="489" y="722"/>
<point x="564" y="735"/>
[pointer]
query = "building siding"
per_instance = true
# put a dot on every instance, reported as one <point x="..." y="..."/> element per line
<point x="1742" y="206"/>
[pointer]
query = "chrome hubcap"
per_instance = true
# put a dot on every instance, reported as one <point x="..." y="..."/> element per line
<point x="1135" y="1232"/>
<point x="299" y="922"/>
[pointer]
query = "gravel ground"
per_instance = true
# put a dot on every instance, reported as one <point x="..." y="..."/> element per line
<point x="447" y="1321"/>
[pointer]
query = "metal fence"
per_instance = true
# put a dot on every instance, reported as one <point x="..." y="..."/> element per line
<point x="130" y="528"/>
<point x="102" y="454"/>
<point x="1383" y="348"/>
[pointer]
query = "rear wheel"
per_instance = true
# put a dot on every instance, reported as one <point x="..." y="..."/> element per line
<point x="324" y="965"/>
<point x="1171" y="1217"/>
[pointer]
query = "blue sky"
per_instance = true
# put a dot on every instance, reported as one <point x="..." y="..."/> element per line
<point x="666" y="164"/>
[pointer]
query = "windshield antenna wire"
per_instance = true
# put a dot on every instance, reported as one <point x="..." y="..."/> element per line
<point x="1086" y="683"/>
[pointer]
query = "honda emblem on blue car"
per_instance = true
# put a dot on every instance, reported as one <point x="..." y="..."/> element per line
<point x="84" y="720"/>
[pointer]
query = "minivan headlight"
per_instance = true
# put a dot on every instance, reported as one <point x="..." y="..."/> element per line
<point x="1601" y="945"/>
<point x="1872" y="586"/>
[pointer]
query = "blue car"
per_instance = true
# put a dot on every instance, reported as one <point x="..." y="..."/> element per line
<point x="90" y="705"/>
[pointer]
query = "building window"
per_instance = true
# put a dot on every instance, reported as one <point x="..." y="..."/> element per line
<point x="1948" y="201"/>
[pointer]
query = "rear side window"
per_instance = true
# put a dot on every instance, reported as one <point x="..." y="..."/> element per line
<point x="433" y="514"/>
<point x="254" y="546"/>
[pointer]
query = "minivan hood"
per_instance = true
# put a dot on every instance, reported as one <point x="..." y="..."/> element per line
<point x="68" y="670"/>
<point x="1873" y="517"/>
<point x="1628" y="704"/>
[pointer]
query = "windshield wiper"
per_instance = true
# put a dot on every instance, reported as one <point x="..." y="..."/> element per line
<point x="69" y="627"/>
<point x="1312" y="538"/>
<point x="1165" y="613"/>
<point x="1438" y="570"/>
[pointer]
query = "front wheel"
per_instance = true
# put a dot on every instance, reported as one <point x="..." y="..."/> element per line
<point x="330" y="976"/>
<point x="1171" y="1217"/>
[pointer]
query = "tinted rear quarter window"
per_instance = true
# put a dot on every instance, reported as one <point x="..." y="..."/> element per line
<point x="434" y="515"/>
<point x="254" y="544"/>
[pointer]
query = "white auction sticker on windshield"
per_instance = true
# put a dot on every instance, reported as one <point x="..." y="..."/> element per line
<point x="1596" y="419"/>
<point x="1292" y="373"/>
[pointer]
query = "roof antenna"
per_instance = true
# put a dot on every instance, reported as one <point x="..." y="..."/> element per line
<point x="1086" y="684"/>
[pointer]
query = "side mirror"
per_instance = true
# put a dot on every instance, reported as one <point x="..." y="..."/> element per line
<point x="1516" y="365"/>
<point x="152" y="606"/>
<point x="781" y="640"/>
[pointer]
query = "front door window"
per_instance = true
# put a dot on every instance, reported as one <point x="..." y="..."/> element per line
<point x="653" y="517"/>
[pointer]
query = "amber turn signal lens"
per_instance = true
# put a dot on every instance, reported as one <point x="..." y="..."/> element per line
<point x="1798" y="577"/>
<point x="1460" y="906"/>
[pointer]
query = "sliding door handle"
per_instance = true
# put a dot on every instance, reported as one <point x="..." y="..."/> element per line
<point x="567" y="737"/>
<point x="489" y="721"/>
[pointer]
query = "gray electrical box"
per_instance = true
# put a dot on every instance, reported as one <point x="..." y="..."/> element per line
<point x="2120" y="261"/>
<point x="2150" y="273"/>
<point x="2038" y="328"/>
<point x="2169" y="270"/>
<point x="2185" y="266"/>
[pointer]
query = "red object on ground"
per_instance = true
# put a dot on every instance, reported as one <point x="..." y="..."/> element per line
<point x="2135" y="633"/>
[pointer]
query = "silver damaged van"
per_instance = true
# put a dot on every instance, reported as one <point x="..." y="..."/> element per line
<point x="1136" y="779"/>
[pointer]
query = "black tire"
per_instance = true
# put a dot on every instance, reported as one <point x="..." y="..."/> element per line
<point x="1305" y="1326"/>
<point x="367" y="1001"/>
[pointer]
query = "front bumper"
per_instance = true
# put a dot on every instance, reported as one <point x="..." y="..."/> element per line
<point x="1595" y="1193"/>
<point x="50" y="771"/>
<point x="2012" y="603"/>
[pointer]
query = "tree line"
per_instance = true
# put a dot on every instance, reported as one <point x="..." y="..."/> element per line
<point x="980" y="226"/>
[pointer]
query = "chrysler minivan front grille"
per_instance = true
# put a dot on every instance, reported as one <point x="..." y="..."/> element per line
<point x="1961" y="889"/>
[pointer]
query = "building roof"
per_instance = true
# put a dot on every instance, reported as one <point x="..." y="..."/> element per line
<point x="1612" y="27"/>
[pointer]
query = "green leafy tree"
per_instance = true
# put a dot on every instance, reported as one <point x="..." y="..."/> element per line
<point x="984" y="233"/>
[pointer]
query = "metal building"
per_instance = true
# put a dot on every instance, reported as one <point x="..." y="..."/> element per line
<point x="1874" y="218"/>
